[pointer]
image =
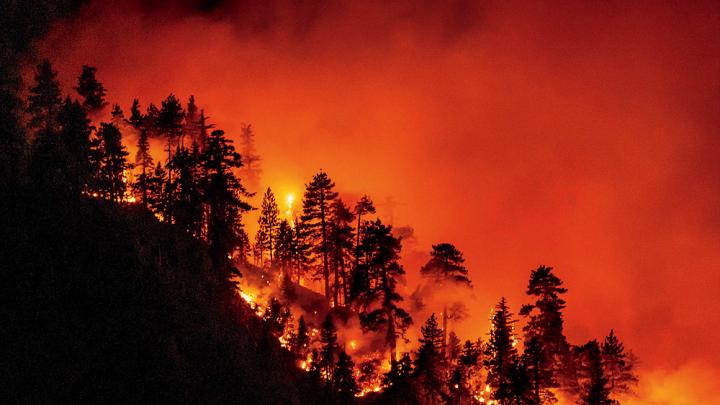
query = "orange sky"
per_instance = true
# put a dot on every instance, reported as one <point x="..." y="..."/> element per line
<point x="582" y="136"/>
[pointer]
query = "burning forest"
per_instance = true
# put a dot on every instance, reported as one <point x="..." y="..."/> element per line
<point x="162" y="248"/>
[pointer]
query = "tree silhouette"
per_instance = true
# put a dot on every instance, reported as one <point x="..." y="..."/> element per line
<point x="170" y="123"/>
<point x="75" y="143"/>
<point x="617" y="365"/>
<point x="328" y="349"/>
<point x="500" y="353"/>
<point x="44" y="99"/>
<point x="91" y="90"/>
<point x="137" y="118"/>
<point x="383" y="252"/>
<point x="111" y="181"/>
<point x="429" y="361"/>
<point x="301" y="252"/>
<point x="545" y="323"/>
<point x="446" y="266"/>
<point x="595" y="390"/>
<point x="344" y="379"/>
<point x="340" y="235"/>
<point x="364" y="206"/>
<point x="224" y="195"/>
<point x="319" y="195"/>
<point x="185" y="196"/>
<point x="144" y="160"/>
<point x="268" y="224"/>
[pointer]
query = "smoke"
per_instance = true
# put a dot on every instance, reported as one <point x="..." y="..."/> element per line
<point x="579" y="135"/>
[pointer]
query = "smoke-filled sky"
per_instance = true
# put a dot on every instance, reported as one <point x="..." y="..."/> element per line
<point x="581" y="135"/>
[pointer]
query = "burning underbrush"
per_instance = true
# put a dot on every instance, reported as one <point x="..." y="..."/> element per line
<point x="296" y="314"/>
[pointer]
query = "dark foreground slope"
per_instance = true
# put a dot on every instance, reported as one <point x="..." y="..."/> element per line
<point x="103" y="304"/>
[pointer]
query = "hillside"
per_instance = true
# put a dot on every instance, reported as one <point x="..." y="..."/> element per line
<point x="105" y="304"/>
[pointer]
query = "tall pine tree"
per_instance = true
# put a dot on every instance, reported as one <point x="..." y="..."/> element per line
<point x="318" y="198"/>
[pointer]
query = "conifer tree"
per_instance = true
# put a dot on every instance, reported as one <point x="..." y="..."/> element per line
<point x="156" y="190"/>
<point x="170" y="122"/>
<point x="185" y="197"/>
<point x="143" y="160"/>
<point x="328" y="350"/>
<point x="268" y="224"/>
<point x="224" y="195"/>
<point x="151" y="120"/>
<point x="285" y="247"/>
<point x="111" y="175"/>
<point x="344" y="379"/>
<point x="44" y="99"/>
<point x="429" y="363"/>
<point x="75" y="143"/>
<point x="319" y="195"/>
<point x="301" y="341"/>
<point x="500" y="353"/>
<point x="136" y="116"/>
<point x="302" y="248"/>
<point x="192" y="118"/>
<point x="398" y="382"/>
<point x="340" y="235"/>
<point x="117" y="116"/>
<point x="617" y="366"/>
<point x="363" y="207"/>
<point x="91" y="90"/>
<point x="445" y="267"/>
<point x="453" y="347"/>
<point x="251" y="170"/>
<point x="595" y="390"/>
<point x="536" y="375"/>
<point x="545" y="322"/>
<point x="382" y="250"/>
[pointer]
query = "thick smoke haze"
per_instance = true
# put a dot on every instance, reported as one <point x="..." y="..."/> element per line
<point x="581" y="135"/>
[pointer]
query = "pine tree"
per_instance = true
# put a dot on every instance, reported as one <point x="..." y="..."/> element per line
<point x="91" y="90"/>
<point x="44" y="99"/>
<point x="535" y="373"/>
<point x="268" y="224"/>
<point x="363" y="207"/>
<point x="155" y="183"/>
<point x="75" y="142"/>
<point x="117" y="116"/>
<point x="192" y="124"/>
<point x="340" y="236"/>
<point x="595" y="390"/>
<point x="398" y="382"/>
<point x="285" y="247"/>
<point x="144" y="160"/>
<point x="301" y="342"/>
<point x="319" y="195"/>
<point x="136" y="117"/>
<point x="224" y="195"/>
<point x="382" y="250"/>
<point x="302" y="248"/>
<point x="344" y="379"/>
<point x="251" y="160"/>
<point x="185" y="197"/>
<point x="170" y="122"/>
<point x="328" y="351"/>
<point x="500" y="353"/>
<point x="111" y="175"/>
<point x="429" y="362"/>
<point x="453" y="347"/>
<point x="545" y="323"/>
<point x="445" y="267"/>
<point x="617" y="366"/>
<point x="151" y="120"/>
